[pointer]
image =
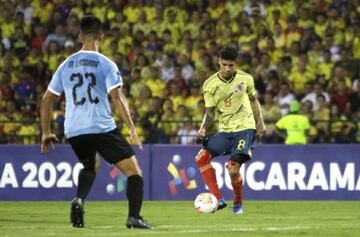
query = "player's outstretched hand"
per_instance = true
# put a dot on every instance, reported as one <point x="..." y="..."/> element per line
<point x="201" y="133"/>
<point x="47" y="142"/>
<point x="260" y="130"/>
<point x="134" y="138"/>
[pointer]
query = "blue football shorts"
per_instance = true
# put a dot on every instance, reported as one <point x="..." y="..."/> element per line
<point x="231" y="143"/>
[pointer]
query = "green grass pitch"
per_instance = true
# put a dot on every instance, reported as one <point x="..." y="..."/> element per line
<point x="178" y="218"/>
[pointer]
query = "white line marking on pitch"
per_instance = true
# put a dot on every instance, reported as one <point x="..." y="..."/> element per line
<point x="162" y="230"/>
<point x="166" y="232"/>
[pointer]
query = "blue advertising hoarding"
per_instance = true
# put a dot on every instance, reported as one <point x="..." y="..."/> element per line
<point x="276" y="172"/>
<point x="27" y="175"/>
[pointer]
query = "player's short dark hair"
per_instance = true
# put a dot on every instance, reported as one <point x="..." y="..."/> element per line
<point x="228" y="53"/>
<point x="90" y="25"/>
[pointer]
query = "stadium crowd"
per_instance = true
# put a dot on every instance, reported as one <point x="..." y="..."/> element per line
<point x="165" y="49"/>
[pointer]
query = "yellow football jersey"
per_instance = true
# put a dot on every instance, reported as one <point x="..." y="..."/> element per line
<point x="231" y="101"/>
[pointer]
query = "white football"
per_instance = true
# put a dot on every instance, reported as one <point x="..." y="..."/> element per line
<point x="206" y="203"/>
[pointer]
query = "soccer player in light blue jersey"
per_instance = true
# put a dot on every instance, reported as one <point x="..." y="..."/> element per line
<point x="87" y="78"/>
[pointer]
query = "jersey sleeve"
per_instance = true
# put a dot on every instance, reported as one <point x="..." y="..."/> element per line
<point x="113" y="77"/>
<point x="208" y="96"/>
<point x="250" y="90"/>
<point x="56" y="86"/>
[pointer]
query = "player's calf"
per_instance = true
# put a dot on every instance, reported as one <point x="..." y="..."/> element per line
<point x="208" y="172"/>
<point x="77" y="213"/>
<point x="236" y="181"/>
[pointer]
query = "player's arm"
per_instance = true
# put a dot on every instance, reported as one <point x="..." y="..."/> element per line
<point x="122" y="106"/>
<point x="256" y="109"/>
<point x="47" y="137"/>
<point x="208" y="119"/>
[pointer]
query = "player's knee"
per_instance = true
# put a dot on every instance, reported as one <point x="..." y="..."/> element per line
<point x="203" y="158"/>
<point x="129" y="167"/>
<point x="97" y="163"/>
<point x="233" y="169"/>
<point x="240" y="158"/>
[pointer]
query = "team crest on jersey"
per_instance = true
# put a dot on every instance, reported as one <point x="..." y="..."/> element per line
<point x="240" y="87"/>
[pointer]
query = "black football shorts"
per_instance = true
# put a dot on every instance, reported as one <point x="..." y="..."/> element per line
<point x="112" y="146"/>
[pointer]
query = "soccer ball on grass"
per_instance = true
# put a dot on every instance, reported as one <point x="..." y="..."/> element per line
<point x="206" y="203"/>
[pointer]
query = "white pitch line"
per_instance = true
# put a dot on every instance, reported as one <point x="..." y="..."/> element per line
<point x="158" y="230"/>
<point x="166" y="232"/>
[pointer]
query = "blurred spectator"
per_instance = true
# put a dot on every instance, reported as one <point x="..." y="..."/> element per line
<point x="4" y="42"/>
<point x="192" y="101"/>
<point x="136" y="82"/>
<point x="326" y="66"/>
<point x="321" y="118"/>
<point x="245" y="38"/>
<point x="28" y="131"/>
<point x="25" y="87"/>
<point x="284" y="98"/>
<point x="167" y="69"/>
<point x="52" y="55"/>
<point x="43" y="10"/>
<point x="72" y="26"/>
<point x="187" y="134"/>
<point x="307" y="109"/>
<point x="3" y="137"/>
<point x="153" y="43"/>
<point x="142" y="63"/>
<point x="177" y="81"/>
<point x="271" y="113"/>
<point x="176" y="96"/>
<point x="233" y="6"/>
<point x="321" y="6"/>
<point x="341" y="96"/>
<point x="143" y="101"/>
<point x="341" y="129"/>
<point x="125" y="130"/>
<point x="354" y="100"/>
<point x="41" y="73"/>
<point x="153" y="133"/>
<point x="11" y="118"/>
<point x="131" y="11"/>
<point x="167" y="119"/>
<point x="8" y="24"/>
<point x="273" y="85"/>
<point x="317" y="90"/>
<point x="156" y="85"/>
<point x="293" y="32"/>
<point x="58" y="36"/>
<point x="20" y="44"/>
<point x="339" y="6"/>
<point x="122" y="64"/>
<point x="285" y="67"/>
<point x="329" y="44"/>
<point x="39" y="37"/>
<point x="299" y="77"/>
<point x="265" y="67"/>
<point x="6" y="90"/>
<point x="279" y="36"/>
<point x="357" y="119"/>
<point x="187" y="71"/>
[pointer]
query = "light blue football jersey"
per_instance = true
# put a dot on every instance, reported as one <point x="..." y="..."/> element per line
<point x="86" y="78"/>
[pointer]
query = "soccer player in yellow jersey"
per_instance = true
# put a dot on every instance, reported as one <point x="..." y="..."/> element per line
<point x="230" y="97"/>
